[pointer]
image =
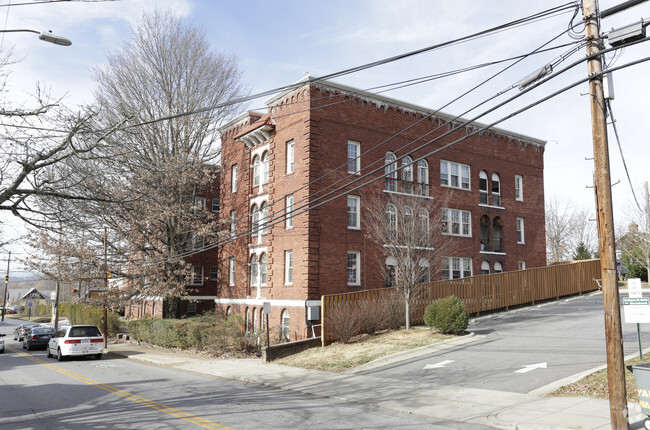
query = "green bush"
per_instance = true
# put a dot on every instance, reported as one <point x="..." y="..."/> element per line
<point x="211" y="332"/>
<point x="84" y="314"/>
<point x="447" y="315"/>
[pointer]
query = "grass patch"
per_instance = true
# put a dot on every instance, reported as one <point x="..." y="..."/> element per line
<point x="339" y="357"/>
<point x="595" y="385"/>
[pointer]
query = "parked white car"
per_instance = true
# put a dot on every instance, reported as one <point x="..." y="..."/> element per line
<point x="2" y="343"/>
<point x="76" y="340"/>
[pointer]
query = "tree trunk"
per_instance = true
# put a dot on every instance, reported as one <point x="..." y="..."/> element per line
<point x="408" y="314"/>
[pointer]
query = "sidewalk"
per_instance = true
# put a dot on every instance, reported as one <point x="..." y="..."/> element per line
<point x="496" y="409"/>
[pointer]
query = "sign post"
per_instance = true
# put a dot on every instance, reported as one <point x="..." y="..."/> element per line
<point x="267" y="311"/>
<point x="636" y="309"/>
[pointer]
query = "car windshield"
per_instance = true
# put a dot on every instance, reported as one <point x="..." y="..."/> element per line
<point x="28" y="326"/>
<point x="84" y="332"/>
<point x="44" y="330"/>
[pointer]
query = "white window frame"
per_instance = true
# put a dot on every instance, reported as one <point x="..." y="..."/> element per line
<point x="495" y="190"/>
<point x="233" y="222"/>
<point x="519" y="188"/>
<point x="288" y="267"/>
<point x="354" y="157"/>
<point x="263" y="261"/>
<point x="455" y="175"/>
<point x="521" y="264"/>
<point x="257" y="175"/>
<point x="290" y="148"/>
<point x="288" y="211"/>
<point x="196" y="275"/>
<point x="391" y="222"/>
<point x="231" y="271"/>
<point x="265" y="168"/>
<point x="355" y="269"/>
<point x="255" y="271"/>
<point x="216" y="205"/>
<point x="354" y="213"/>
<point x="521" y="239"/>
<point x="461" y="265"/>
<point x="285" y="325"/>
<point x="456" y="219"/>
<point x="390" y="172"/>
<point x="233" y="178"/>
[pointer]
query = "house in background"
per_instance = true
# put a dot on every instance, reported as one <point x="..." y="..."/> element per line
<point x="32" y="298"/>
<point x="317" y="135"/>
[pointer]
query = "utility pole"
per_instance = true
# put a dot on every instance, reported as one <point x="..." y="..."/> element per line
<point x="613" y="330"/>
<point x="4" y="302"/>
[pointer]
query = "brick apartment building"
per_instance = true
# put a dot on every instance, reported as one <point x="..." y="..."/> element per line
<point x="319" y="133"/>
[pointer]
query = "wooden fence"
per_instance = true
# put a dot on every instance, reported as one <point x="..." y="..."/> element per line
<point x="478" y="293"/>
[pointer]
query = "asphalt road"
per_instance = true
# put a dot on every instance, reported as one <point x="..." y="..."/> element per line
<point x="41" y="393"/>
<point x="522" y="350"/>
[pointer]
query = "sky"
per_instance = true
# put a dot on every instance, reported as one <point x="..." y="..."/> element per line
<point x="279" y="42"/>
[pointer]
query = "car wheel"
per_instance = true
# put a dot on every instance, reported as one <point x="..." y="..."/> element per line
<point x="59" y="356"/>
<point x="98" y="356"/>
<point x="2" y="351"/>
<point x="25" y="347"/>
<point x="49" y="354"/>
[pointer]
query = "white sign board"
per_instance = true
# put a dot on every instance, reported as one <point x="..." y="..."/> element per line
<point x="636" y="310"/>
<point x="267" y="307"/>
<point x="634" y="288"/>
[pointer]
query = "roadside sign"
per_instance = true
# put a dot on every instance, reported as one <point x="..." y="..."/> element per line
<point x="634" y="287"/>
<point x="636" y="310"/>
<point x="267" y="307"/>
<point x="29" y="303"/>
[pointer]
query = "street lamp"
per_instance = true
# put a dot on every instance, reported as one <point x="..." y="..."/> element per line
<point x="47" y="36"/>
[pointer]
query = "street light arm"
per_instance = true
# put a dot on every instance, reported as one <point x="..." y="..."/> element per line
<point x="46" y="36"/>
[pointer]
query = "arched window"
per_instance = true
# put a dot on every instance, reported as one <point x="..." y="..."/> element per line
<point x="496" y="190"/>
<point x="485" y="233"/>
<point x="483" y="187"/>
<point x="498" y="268"/>
<point x="424" y="271"/>
<point x="248" y="320"/>
<point x="263" y="269"/>
<point x="390" y="170"/>
<point x="254" y="271"/>
<point x="255" y="322"/>
<point x="255" y="220"/>
<point x="409" y="223"/>
<point x="497" y="233"/>
<point x="423" y="223"/>
<point x="256" y="171"/>
<point x="391" y="272"/>
<point x="423" y="178"/>
<point x="228" y="311"/>
<point x="407" y="175"/>
<point x="391" y="221"/>
<point x="265" y="168"/>
<point x="485" y="268"/>
<point x="262" y="327"/>
<point x="264" y="216"/>
<point x="285" y="334"/>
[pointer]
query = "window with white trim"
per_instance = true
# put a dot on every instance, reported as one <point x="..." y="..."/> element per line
<point x="498" y="268"/>
<point x="285" y="333"/>
<point x="233" y="178"/>
<point x="265" y="168"/>
<point x="354" y="213"/>
<point x="255" y="270"/>
<point x="454" y="175"/>
<point x="390" y="171"/>
<point x="231" y="271"/>
<point x="263" y="270"/>
<point x="353" y="268"/>
<point x="391" y="221"/>
<point x="290" y="156"/>
<point x="196" y="275"/>
<point x="423" y="222"/>
<point x="257" y="166"/>
<point x="288" y="201"/>
<point x="485" y="268"/>
<point x="255" y="220"/>
<point x="520" y="231"/>
<point x="521" y="264"/>
<point x="423" y="178"/>
<point x="519" y="188"/>
<point x="407" y="175"/>
<point x="264" y="218"/>
<point x="425" y="271"/>
<point x="456" y="267"/>
<point x="233" y="222"/>
<point x="456" y="222"/>
<point x="216" y="205"/>
<point x="496" y="190"/>
<point x="354" y="157"/>
<point x="288" y="267"/>
<point x="483" y="187"/>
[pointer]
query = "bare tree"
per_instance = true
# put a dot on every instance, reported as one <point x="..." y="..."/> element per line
<point x="566" y="229"/>
<point x="155" y="171"/>
<point x="635" y="242"/>
<point x="408" y="227"/>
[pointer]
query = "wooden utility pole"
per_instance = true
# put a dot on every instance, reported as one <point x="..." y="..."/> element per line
<point x="613" y="330"/>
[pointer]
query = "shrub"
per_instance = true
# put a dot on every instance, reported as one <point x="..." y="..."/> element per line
<point x="447" y="315"/>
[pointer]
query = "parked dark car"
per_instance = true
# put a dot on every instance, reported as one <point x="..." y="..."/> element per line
<point x="37" y="337"/>
<point x="19" y="332"/>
